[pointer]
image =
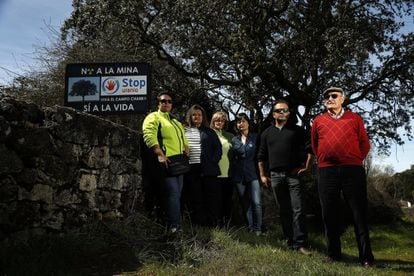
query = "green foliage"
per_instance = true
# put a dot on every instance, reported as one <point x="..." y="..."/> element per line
<point x="244" y="54"/>
<point x="247" y="53"/>
<point x="398" y="186"/>
<point x="404" y="185"/>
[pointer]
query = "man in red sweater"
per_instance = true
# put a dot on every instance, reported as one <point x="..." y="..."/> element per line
<point x="340" y="143"/>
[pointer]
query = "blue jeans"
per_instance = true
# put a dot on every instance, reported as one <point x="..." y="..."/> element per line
<point x="250" y="196"/>
<point x="173" y="188"/>
<point x="289" y="195"/>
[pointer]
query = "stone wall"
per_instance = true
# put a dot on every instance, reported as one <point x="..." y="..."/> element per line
<point x="60" y="168"/>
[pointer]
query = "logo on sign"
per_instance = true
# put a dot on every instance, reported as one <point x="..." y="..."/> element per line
<point x="110" y="86"/>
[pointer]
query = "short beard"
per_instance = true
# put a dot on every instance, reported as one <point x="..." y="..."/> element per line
<point x="281" y="120"/>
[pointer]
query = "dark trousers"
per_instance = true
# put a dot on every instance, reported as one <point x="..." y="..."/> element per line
<point x="292" y="214"/>
<point x="212" y="196"/>
<point x="226" y="189"/>
<point x="351" y="181"/>
<point x="201" y="194"/>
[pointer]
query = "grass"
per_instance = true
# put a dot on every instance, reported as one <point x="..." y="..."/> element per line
<point x="137" y="246"/>
<point x="240" y="253"/>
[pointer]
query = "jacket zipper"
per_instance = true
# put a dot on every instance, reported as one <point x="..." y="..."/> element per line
<point x="176" y="132"/>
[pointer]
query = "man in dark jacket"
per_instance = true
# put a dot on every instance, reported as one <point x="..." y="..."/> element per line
<point x="285" y="150"/>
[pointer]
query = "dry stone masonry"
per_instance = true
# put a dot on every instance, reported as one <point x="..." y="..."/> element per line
<point x="60" y="168"/>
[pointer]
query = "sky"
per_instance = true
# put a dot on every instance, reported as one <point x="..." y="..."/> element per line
<point x="24" y="25"/>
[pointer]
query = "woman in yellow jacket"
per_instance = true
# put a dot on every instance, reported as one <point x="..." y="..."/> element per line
<point x="161" y="125"/>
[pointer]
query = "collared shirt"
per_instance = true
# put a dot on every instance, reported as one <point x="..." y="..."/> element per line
<point x="337" y="116"/>
<point x="244" y="165"/>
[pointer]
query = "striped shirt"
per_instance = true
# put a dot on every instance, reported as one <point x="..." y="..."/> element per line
<point x="194" y="143"/>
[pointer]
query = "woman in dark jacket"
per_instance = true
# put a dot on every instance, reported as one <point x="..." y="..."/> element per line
<point x="201" y="186"/>
<point x="244" y="173"/>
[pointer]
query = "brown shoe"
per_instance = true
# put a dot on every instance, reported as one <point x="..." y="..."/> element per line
<point x="304" y="251"/>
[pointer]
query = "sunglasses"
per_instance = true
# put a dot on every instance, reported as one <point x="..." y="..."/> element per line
<point x="333" y="96"/>
<point x="281" y="110"/>
<point x="164" y="101"/>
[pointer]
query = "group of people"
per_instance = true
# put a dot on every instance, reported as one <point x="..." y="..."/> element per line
<point x="205" y="192"/>
<point x="277" y="158"/>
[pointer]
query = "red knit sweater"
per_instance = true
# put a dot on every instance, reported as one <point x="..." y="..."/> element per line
<point x="338" y="142"/>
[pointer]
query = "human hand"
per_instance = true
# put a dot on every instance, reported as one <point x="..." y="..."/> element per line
<point x="302" y="171"/>
<point x="265" y="180"/>
<point x="299" y="171"/>
<point x="163" y="159"/>
<point x="187" y="151"/>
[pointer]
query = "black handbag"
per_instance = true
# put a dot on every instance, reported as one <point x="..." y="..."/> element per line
<point x="179" y="164"/>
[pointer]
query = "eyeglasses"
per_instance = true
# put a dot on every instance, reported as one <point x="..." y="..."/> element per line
<point x="281" y="110"/>
<point x="333" y="96"/>
<point x="164" y="101"/>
